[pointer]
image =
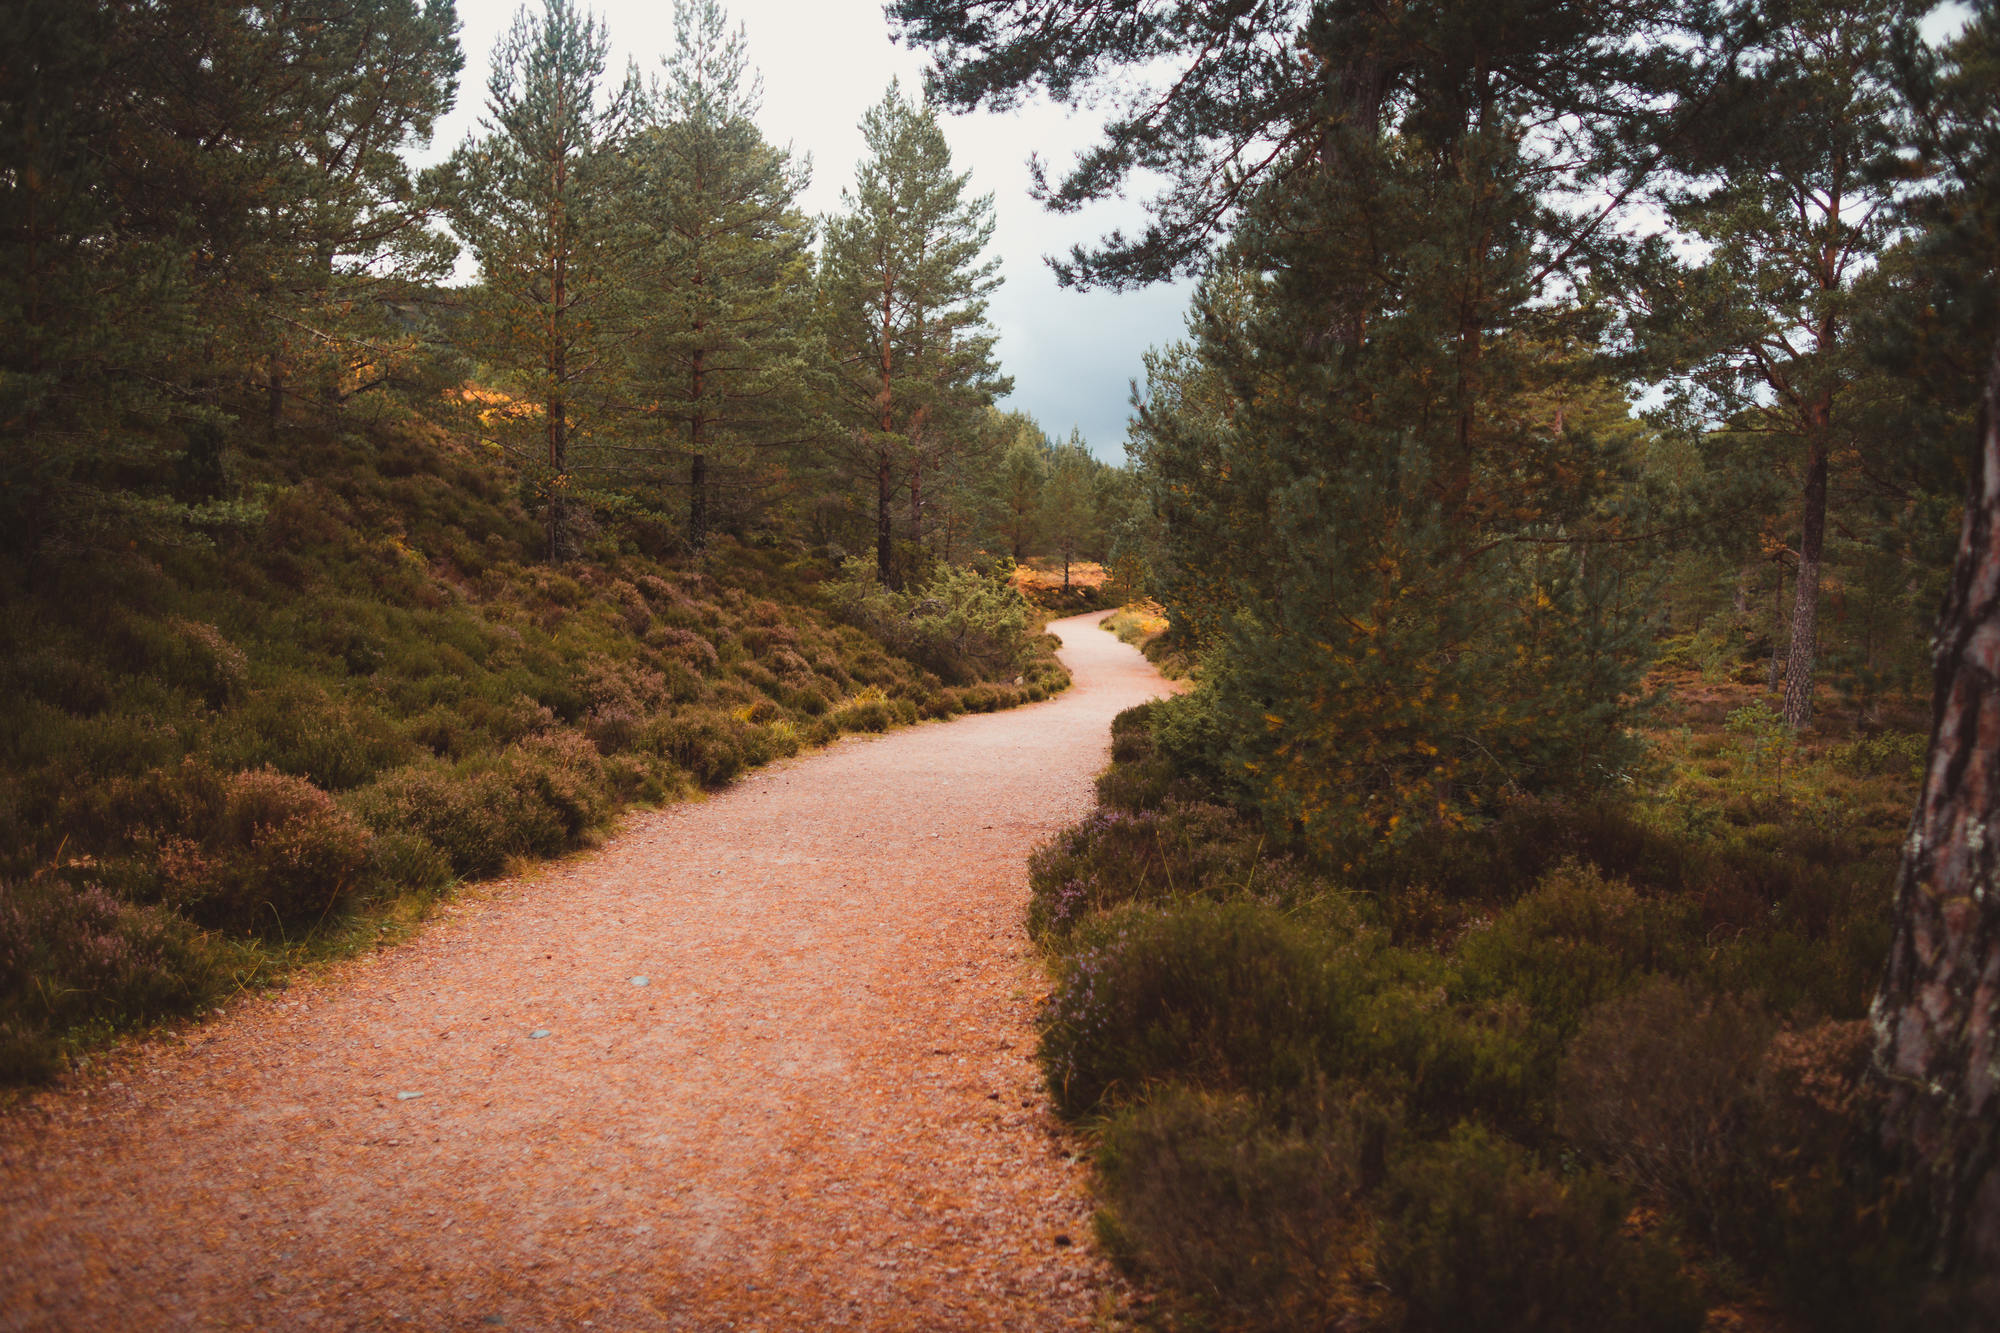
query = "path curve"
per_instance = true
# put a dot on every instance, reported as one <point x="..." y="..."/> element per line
<point x="820" y="1110"/>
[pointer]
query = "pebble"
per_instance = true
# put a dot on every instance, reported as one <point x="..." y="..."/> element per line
<point x="407" y="1096"/>
<point x="642" y="981"/>
<point x="538" y="1033"/>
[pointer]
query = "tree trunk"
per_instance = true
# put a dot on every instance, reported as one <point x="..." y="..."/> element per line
<point x="698" y="462"/>
<point x="558" y="498"/>
<point x="1937" y="1018"/>
<point x="885" y="496"/>
<point x="1805" y="597"/>
<point x="698" y="502"/>
<point x="1776" y="672"/>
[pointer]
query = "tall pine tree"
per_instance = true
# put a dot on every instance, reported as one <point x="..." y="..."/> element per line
<point x="720" y="295"/>
<point x="537" y="198"/>
<point x="903" y="291"/>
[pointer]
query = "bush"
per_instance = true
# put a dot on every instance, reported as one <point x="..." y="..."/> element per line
<point x="1249" y="1217"/>
<point x="1477" y="1236"/>
<point x="74" y="960"/>
<point x="301" y="730"/>
<point x="711" y="745"/>
<point x="1115" y="857"/>
<point x="538" y="798"/>
<point x="282" y="854"/>
<point x="1227" y="996"/>
<point x="1575" y="940"/>
<point x="1657" y="1089"/>
<point x="961" y="624"/>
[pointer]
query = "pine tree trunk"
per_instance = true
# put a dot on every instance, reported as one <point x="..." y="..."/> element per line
<point x="1776" y="672"/>
<point x="885" y="540"/>
<point x="558" y="517"/>
<point x="885" y="496"/>
<point x="698" y="502"/>
<point x="1805" y="598"/>
<point x="558" y="407"/>
<point x="698" y="463"/>
<point x="1937" y="1018"/>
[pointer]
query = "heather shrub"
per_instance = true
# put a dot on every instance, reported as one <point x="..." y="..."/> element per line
<point x="710" y="744"/>
<point x="446" y="808"/>
<point x="1231" y="996"/>
<point x="1251" y="1218"/>
<point x="869" y="710"/>
<point x="1657" y="1088"/>
<point x="1574" y="940"/>
<point x="1476" y="1236"/>
<point x="188" y="655"/>
<point x="75" y="960"/>
<point x="1760" y="1136"/>
<point x="408" y="861"/>
<point x="281" y="854"/>
<point x="1116" y="857"/>
<point x="301" y="730"/>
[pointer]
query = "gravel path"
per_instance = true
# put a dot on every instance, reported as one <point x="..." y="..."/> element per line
<point x="819" y="1108"/>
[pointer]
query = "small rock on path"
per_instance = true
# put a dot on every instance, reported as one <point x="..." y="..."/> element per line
<point x="822" y="1112"/>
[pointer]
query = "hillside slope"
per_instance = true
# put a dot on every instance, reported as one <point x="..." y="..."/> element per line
<point x="219" y="759"/>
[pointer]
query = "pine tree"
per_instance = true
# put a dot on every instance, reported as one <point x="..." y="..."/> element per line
<point x="1070" y="514"/>
<point x="537" y="200"/>
<point x="1023" y="474"/>
<point x="189" y="190"/>
<point x="721" y="295"/>
<point x="1789" y="198"/>
<point x="903" y="292"/>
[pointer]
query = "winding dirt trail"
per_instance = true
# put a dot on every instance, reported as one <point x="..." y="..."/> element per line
<point x="819" y="1109"/>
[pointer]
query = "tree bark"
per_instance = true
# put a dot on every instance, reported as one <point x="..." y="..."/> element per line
<point x="698" y="462"/>
<point x="885" y="496"/>
<point x="1776" y="671"/>
<point x="1805" y="600"/>
<point x="698" y="502"/>
<point x="1937" y="1016"/>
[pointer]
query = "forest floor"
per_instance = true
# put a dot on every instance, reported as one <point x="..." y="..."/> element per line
<point x="763" y="1061"/>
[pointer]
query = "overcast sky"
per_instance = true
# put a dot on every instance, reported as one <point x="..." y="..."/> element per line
<point x="824" y="62"/>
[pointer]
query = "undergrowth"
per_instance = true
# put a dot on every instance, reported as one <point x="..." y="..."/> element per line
<point x="221" y="760"/>
<point x="1582" y="1066"/>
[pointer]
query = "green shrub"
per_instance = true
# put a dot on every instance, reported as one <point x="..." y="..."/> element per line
<point x="281" y="855"/>
<point x="188" y="655"/>
<point x="1221" y="996"/>
<point x="709" y="744"/>
<point x="1247" y="1217"/>
<point x="1887" y="754"/>
<point x="301" y="730"/>
<point x="1476" y="1236"/>
<point x="74" y="960"/>
<point x="444" y="806"/>
<point x="1575" y="940"/>
<point x="1116" y="857"/>
<point x="408" y="861"/>
<point x="867" y="711"/>
<point x="961" y="624"/>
